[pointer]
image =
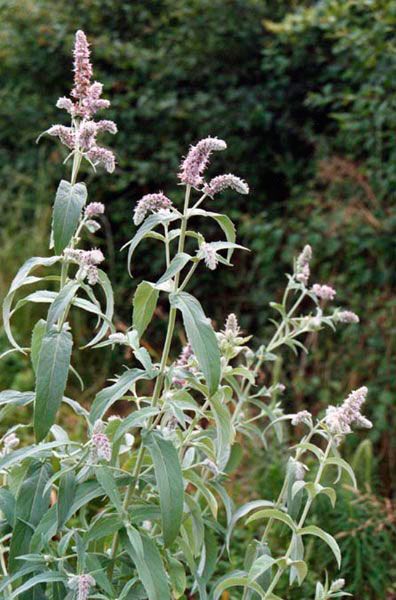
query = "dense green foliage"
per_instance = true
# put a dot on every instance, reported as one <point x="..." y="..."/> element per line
<point x="305" y="99"/>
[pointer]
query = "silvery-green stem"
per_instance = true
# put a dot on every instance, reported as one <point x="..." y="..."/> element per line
<point x="301" y="522"/>
<point x="159" y="381"/>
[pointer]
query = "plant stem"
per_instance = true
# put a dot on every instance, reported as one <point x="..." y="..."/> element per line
<point x="158" y="384"/>
<point x="301" y="522"/>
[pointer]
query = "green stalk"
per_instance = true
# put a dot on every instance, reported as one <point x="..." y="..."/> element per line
<point x="159" y="381"/>
<point x="301" y="522"/>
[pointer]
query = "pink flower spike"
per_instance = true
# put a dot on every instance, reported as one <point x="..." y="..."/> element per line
<point x="65" y="134"/>
<point x="222" y="182"/>
<point x="325" y="292"/>
<point x="197" y="160"/>
<point x="102" y="156"/>
<point x="82" y="67"/>
<point x="150" y="202"/>
<point x="94" y="209"/>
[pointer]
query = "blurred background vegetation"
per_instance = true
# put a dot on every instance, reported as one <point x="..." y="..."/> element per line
<point x="304" y="93"/>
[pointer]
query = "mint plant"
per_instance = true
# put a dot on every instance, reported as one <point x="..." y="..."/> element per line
<point x="141" y="507"/>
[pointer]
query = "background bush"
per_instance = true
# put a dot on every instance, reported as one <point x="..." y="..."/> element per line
<point x="305" y="98"/>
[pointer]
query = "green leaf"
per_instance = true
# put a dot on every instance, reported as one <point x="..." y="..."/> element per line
<point x="144" y="303"/>
<point x="105" y="526"/>
<point x="136" y="419"/>
<point x="69" y="201"/>
<point x="105" y="284"/>
<point x="149" y="224"/>
<point x="66" y="494"/>
<point x="51" y="378"/>
<point x="28" y="451"/>
<point x="37" y="337"/>
<point x="106" y="397"/>
<point x="22" y="278"/>
<point x="61" y="303"/>
<point x="273" y="513"/>
<point x="170" y="483"/>
<point x="7" y="505"/>
<point x="177" y="264"/>
<point x="236" y="579"/>
<point x="326" y="537"/>
<point x="105" y="477"/>
<point x="177" y="577"/>
<point x="223" y="220"/>
<point x="31" y="504"/>
<point x="342" y="464"/>
<point x="203" y="487"/>
<point x="46" y="577"/>
<point x="149" y="567"/>
<point x="242" y="512"/>
<point x="225" y="433"/>
<point x="201" y="336"/>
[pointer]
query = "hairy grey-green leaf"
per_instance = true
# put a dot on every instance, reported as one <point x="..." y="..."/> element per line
<point x="170" y="483"/>
<point x="201" y="336"/>
<point x="51" y="377"/>
<point x="106" y="397"/>
<point x="31" y="504"/>
<point x="69" y="201"/>
<point x="150" y="567"/>
<point x="144" y="303"/>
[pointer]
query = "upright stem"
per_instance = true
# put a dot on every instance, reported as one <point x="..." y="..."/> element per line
<point x="301" y="522"/>
<point x="159" y="381"/>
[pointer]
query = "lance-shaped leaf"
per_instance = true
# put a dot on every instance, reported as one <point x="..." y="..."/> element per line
<point x="201" y="336"/>
<point x="105" y="284"/>
<point x="177" y="264"/>
<point x="61" y="303"/>
<point x="236" y="579"/>
<point x="31" y="504"/>
<point x="170" y="483"/>
<point x="144" y="303"/>
<point x="225" y="223"/>
<point x="225" y="432"/>
<point x="37" y="337"/>
<point x="106" y="397"/>
<point x="149" y="224"/>
<point x="69" y="201"/>
<point x="326" y="537"/>
<point x="149" y="566"/>
<point x="66" y="494"/>
<point x="51" y="377"/>
<point x="22" y="278"/>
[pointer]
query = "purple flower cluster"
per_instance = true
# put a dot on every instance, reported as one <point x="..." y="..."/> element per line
<point x="340" y="418"/>
<point x="325" y="292"/>
<point x="82" y="584"/>
<point x="85" y="102"/>
<point x="346" y="316"/>
<point x="208" y="253"/>
<point x="150" y="203"/>
<point x="302" y="265"/>
<point x="303" y="416"/>
<point x="86" y="95"/>
<point x="197" y="159"/>
<point x="101" y="447"/>
<point x="94" y="209"/>
<point x="88" y="261"/>
<point x="183" y="362"/>
<point x="223" y="182"/>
